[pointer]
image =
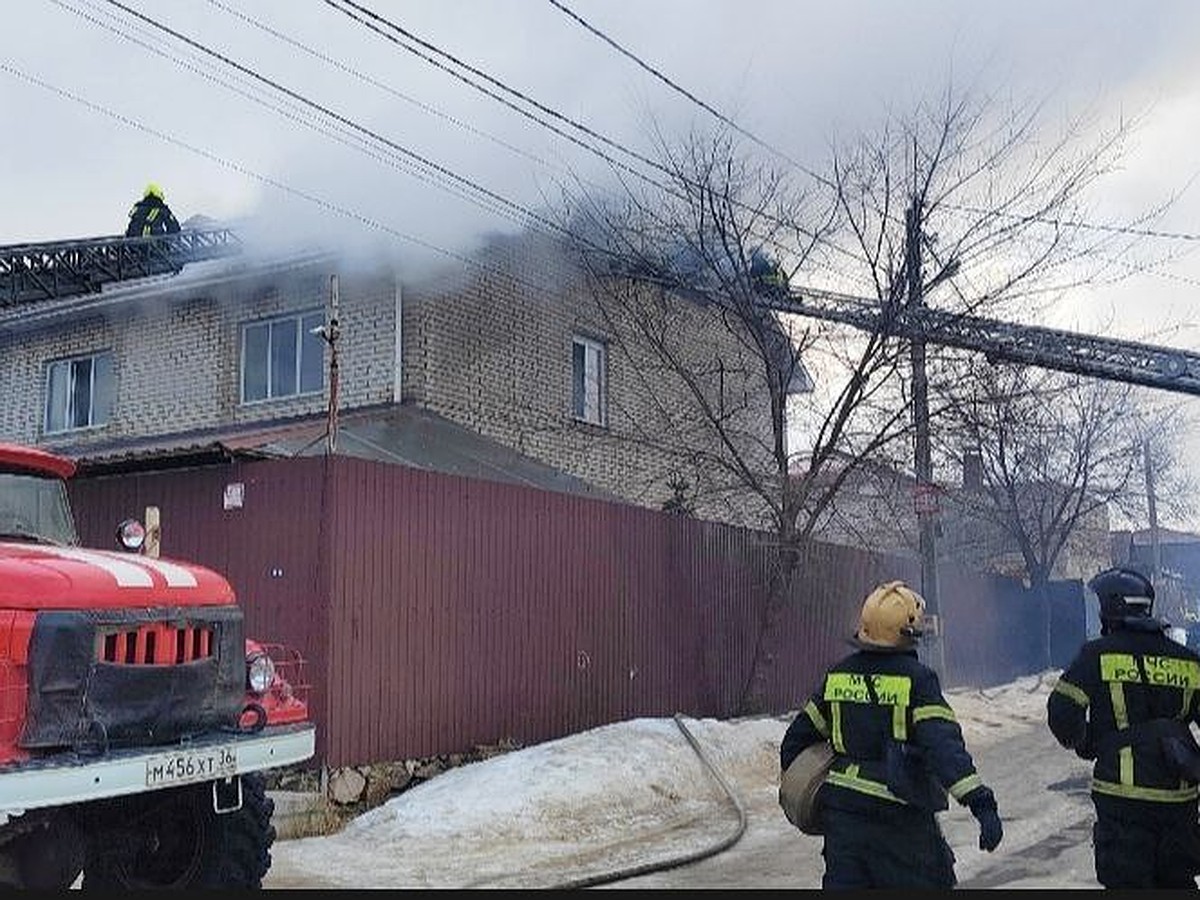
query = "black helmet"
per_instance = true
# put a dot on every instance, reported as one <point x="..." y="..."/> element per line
<point x="1124" y="593"/>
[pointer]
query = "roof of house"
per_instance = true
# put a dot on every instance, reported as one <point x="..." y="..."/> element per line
<point x="194" y="278"/>
<point x="395" y="433"/>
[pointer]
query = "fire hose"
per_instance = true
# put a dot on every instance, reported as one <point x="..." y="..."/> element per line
<point x="684" y="859"/>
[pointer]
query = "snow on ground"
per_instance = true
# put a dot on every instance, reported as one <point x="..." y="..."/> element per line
<point x="990" y="714"/>
<point x="628" y="795"/>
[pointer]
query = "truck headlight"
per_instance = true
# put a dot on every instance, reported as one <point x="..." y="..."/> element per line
<point x="131" y="534"/>
<point x="260" y="672"/>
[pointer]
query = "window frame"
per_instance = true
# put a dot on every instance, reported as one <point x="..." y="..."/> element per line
<point x="94" y="411"/>
<point x="297" y="355"/>
<point x="600" y="349"/>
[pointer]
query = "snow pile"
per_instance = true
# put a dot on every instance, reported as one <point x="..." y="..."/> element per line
<point x="617" y="796"/>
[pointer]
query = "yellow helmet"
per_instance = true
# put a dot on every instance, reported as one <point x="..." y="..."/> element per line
<point x="153" y="190"/>
<point x="892" y="616"/>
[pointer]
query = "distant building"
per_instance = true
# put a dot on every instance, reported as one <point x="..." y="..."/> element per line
<point x="1178" y="579"/>
<point x="876" y="508"/>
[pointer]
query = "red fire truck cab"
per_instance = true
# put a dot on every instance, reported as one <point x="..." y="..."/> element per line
<point x="136" y="718"/>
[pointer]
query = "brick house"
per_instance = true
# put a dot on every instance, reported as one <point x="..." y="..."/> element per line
<point x="507" y="356"/>
<point x="1177" y="581"/>
<point x="877" y="508"/>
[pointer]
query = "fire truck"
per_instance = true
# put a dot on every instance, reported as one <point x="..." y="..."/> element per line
<point x="137" y="719"/>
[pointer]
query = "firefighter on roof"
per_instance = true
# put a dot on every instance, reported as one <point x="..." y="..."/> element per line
<point x="898" y="752"/>
<point x="151" y="215"/>
<point x="1126" y="702"/>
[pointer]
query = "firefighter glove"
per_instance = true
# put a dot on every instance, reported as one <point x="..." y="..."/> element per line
<point x="982" y="803"/>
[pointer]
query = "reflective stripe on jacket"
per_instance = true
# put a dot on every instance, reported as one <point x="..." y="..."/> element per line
<point x="150" y="216"/>
<point x="872" y="698"/>
<point x="1113" y="705"/>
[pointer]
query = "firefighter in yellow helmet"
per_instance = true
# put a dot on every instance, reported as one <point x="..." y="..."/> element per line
<point x="898" y="754"/>
<point x="1127" y="701"/>
<point x="151" y="216"/>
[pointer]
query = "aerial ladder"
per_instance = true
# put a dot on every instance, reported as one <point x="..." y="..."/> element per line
<point x="1166" y="368"/>
<point x="55" y="270"/>
<point x="38" y="272"/>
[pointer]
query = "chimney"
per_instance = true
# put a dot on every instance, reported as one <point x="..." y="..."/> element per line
<point x="972" y="469"/>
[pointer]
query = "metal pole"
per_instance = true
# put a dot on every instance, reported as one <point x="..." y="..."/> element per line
<point x="1152" y="503"/>
<point x="332" y="333"/>
<point x="923" y="459"/>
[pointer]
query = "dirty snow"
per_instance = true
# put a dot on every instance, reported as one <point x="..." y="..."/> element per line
<point x="627" y="797"/>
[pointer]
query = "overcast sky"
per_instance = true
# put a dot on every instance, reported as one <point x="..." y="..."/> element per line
<point x="98" y="102"/>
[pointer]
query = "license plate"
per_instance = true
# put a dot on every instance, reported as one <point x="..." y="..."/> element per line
<point x="183" y="766"/>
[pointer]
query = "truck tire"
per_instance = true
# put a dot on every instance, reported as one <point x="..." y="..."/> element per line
<point x="173" y="839"/>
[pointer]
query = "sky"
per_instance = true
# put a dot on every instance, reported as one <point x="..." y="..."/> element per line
<point x="103" y="101"/>
<point x="690" y="803"/>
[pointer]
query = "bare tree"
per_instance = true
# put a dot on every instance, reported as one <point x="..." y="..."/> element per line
<point x="706" y="258"/>
<point x="951" y="205"/>
<point x="1052" y="454"/>
<point x="1001" y="207"/>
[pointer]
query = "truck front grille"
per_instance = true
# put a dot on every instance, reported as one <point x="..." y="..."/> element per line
<point x="154" y="644"/>
<point x="133" y="676"/>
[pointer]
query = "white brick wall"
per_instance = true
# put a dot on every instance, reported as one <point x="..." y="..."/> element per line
<point x="176" y="355"/>
<point x="490" y="349"/>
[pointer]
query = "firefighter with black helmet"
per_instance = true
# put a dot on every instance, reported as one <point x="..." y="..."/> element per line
<point x="151" y="216"/>
<point x="898" y="753"/>
<point x="1127" y="702"/>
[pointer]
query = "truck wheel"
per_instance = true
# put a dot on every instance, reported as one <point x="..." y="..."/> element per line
<point x="174" y="839"/>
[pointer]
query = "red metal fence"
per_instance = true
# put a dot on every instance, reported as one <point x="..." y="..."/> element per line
<point x="438" y="612"/>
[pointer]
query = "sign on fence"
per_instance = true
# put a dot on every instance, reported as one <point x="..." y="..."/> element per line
<point x="925" y="498"/>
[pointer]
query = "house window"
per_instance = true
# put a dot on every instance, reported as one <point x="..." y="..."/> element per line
<point x="588" y="380"/>
<point x="282" y="357"/>
<point x="79" y="392"/>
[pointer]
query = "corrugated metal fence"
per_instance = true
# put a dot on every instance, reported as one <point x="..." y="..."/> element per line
<point x="439" y="612"/>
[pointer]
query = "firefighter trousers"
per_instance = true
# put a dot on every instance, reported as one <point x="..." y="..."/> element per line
<point x="893" y="846"/>
<point x="1138" y="848"/>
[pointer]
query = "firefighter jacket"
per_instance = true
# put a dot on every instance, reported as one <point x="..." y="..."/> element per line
<point x="1126" y="702"/>
<point x="894" y="736"/>
<point x="151" y="216"/>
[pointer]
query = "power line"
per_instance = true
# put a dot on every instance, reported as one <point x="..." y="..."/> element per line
<point x="400" y="30"/>
<point x="437" y="167"/>
<point x="367" y="79"/>
<point x="1075" y="223"/>
<point x="308" y="120"/>
<point x="409" y="36"/>
<point x="374" y="82"/>
<point x="689" y="95"/>
<point x="1118" y="229"/>
<point x="666" y="189"/>
<point x="325" y="204"/>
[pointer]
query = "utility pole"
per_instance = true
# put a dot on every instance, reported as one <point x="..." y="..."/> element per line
<point x="925" y="498"/>
<point x="1152" y="503"/>
<point x="331" y="332"/>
